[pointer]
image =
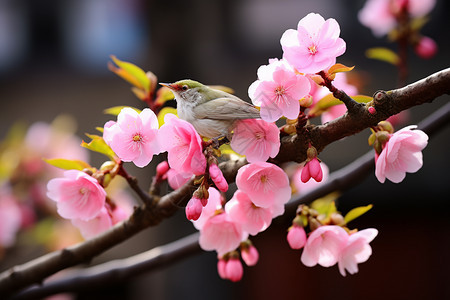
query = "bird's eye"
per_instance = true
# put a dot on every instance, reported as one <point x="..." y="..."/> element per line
<point x="184" y="87"/>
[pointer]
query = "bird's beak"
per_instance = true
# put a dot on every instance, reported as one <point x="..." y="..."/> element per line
<point x="167" y="85"/>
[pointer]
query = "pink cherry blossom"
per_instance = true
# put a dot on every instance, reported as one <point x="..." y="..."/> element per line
<point x="213" y="206"/>
<point x="217" y="177"/>
<point x="183" y="144"/>
<point x="177" y="179"/>
<point x="426" y="48"/>
<point x="401" y="154"/>
<point x="302" y="187"/>
<point x="380" y="15"/>
<point x="77" y="195"/>
<point x="221" y="234"/>
<point x="253" y="219"/>
<point x="134" y="136"/>
<point x="296" y="237"/>
<point x="250" y="255"/>
<point x="256" y="139"/>
<point x="95" y="226"/>
<point x="266" y="184"/>
<point x="194" y="208"/>
<point x="324" y="246"/>
<point x="315" y="44"/>
<point x="10" y="217"/>
<point x="278" y="91"/>
<point x="234" y="270"/>
<point x="356" y="251"/>
<point x="162" y="168"/>
<point x="312" y="169"/>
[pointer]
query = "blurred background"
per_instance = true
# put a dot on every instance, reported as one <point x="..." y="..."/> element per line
<point x="53" y="62"/>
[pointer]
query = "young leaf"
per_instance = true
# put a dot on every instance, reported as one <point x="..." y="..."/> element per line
<point x="326" y="205"/>
<point x="338" y="68"/>
<point x="132" y="73"/>
<point x="383" y="54"/>
<point x="68" y="164"/>
<point x="163" y="95"/>
<point x="356" y="212"/>
<point x="98" y="145"/>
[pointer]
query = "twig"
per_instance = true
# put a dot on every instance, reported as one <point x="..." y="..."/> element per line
<point x="119" y="270"/>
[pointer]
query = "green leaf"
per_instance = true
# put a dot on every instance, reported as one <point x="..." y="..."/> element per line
<point x="356" y="212"/>
<point x="163" y="95"/>
<point x="383" y="54"/>
<point x="115" y="110"/>
<point x="362" y="98"/>
<point x="326" y="205"/>
<point x="132" y="74"/>
<point x="67" y="164"/>
<point x="98" y="145"/>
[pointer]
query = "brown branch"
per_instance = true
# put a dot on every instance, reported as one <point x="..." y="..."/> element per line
<point x="293" y="148"/>
<point x="386" y="104"/>
<point x="114" y="271"/>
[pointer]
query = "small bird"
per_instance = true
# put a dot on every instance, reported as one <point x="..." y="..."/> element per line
<point x="213" y="113"/>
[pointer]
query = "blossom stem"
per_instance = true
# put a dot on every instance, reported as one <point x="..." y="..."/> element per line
<point x="133" y="183"/>
<point x="353" y="107"/>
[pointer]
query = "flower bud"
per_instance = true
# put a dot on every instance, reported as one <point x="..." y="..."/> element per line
<point x="162" y="168"/>
<point x="233" y="269"/>
<point x="383" y="137"/>
<point x="426" y="48"/>
<point x="194" y="209"/>
<point x="372" y="110"/>
<point x="386" y="126"/>
<point x="337" y="219"/>
<point x="249" y="255"/>
<point x="107" y="166"/>
<point x="307" y="101"/>
<point x="296" y="237"/>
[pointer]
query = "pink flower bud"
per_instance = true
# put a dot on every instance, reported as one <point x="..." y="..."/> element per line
<point x="426" y="48"/>
<point x="315" y="170"/>
<point x="250" y="255"/>
<point x="305" y="176"/>
<point x="162" y="168"/>
<point x="217" y="176"/>
<point x="194" y="209"/>
<point x="372" y="110"/>
<point x="234" y="269"/>
<point x="221" y="268"/>
<point x="296" y="237"/>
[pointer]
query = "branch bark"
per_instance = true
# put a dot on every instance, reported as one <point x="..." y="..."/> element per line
<point x="118" y="270"/>
<point x="293" y="148"/>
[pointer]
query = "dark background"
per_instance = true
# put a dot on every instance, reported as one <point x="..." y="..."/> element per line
<point x="53" y="57"/>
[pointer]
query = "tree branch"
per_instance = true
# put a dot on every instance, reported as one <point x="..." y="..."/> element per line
<point x="118" y="270"/>
<point x="293" y="148"/>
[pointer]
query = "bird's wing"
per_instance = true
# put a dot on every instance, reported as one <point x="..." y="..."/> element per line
<point x="226" y="109"/>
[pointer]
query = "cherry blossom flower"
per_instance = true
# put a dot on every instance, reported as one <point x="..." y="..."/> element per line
<point x="95" y="226"/>
<point x="402" y="153"/>
<point x="324" y="246"/>
<point x="312" y="169"/>
<point x="77" y="195"/>
<point x="315" y="44"/>
<point x="221" y="234"/>
<point x="242" y="210"/>
<point x="278" y="91"/>
<point x="256" y="139"/>
<point x="183" y="144"/>
<point x="217" y="177"/>
<point x="266" y="184"/>
<point x="134" y="136"/>
<point x="177" y="179"/>
<point x="380" y="15"/>
<point x="10" y="217"/>
<point x="296" y="237"/>
<point x="356" y="251"/>
<point x="250" y="255"/>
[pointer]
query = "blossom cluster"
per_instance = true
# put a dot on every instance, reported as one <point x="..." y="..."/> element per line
<point x="263" y="190"/>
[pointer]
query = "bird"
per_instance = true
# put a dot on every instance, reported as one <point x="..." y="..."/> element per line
<point x="212" y="112"/>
